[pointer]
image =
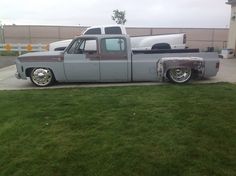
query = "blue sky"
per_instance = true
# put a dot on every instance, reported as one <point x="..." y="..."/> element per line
<point x="146" y="13"/>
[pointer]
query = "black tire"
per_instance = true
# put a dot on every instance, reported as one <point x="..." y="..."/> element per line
<point x="179" y="75"/>
<point x="42" y="77"/>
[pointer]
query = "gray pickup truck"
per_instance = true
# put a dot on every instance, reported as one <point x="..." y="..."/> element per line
<point x="109" y="58"/>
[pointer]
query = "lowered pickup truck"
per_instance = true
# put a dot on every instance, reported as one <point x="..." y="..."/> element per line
<point x="109" y="58"/>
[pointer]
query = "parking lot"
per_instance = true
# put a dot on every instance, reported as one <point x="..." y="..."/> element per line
<point x="8" y="81"/>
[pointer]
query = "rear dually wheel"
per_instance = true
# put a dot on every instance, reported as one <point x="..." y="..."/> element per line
<point x="179" y="75"/>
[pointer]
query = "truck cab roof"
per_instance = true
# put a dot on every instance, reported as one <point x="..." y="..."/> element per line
<point x="107" y="29"/>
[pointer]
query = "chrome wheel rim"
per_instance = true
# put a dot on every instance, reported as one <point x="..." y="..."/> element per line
<point x="41" y="76"/>
<point x="180" y="75"/>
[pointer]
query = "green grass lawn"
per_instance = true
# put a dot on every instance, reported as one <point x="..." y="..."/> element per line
<point x="122" y="131"/>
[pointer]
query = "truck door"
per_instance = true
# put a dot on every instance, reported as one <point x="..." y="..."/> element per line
<point x="81" y="61"/>
<point x="114" y="60"/>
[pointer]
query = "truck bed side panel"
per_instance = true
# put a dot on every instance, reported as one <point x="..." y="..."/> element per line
<point x="145" y="65"/>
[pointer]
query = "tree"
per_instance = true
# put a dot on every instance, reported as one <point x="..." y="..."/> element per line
<point x="119" y="17"/>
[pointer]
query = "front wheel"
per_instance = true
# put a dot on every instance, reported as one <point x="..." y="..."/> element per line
<point x="41" y="77"/>
<point x="179" y="75"/>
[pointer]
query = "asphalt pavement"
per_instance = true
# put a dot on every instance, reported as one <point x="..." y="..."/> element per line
<point x="227" y="73"/>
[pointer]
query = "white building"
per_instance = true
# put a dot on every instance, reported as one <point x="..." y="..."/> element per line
<point x="232" y="30"/>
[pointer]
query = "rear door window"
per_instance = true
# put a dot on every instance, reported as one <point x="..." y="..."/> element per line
<point x="113" y="30"/>
<point x="110" y="45"/>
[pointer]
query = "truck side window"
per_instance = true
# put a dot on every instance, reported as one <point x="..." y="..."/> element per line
<point x="113" y="30"/>
<point x="74" y="47"/>
<point x="90" y="45"/>
<point x="93" y="31"/>
<point x="82" y="46"/>
<point x="110" y="45"/>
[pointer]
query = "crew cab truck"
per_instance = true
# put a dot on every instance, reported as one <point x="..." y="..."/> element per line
<point x="109" y="58"/>
<point x="167" y="41"/>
